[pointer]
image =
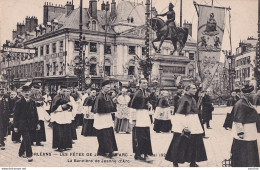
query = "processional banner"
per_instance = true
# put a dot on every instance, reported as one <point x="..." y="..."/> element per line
<point x="211" y="26"/>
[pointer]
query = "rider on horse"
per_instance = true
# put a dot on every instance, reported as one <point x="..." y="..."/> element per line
<point x="170" y="20"/>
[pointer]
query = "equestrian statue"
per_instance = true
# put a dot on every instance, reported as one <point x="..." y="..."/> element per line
<point x="168" y="30"/>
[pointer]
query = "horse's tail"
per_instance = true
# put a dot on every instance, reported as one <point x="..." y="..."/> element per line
<point x="186" y="33"/>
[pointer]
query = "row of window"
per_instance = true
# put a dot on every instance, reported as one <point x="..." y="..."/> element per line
<point x="107" y="48"/>
<point x="49" y="49"/>
<point x="28" y="70"/>
<point x="243" y="73"/>
<point x="54" y="69"/>
<point x="243" y="61"/>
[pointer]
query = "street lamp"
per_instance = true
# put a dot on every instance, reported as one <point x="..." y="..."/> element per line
<point x="160" y="72"/>
<point x="230" y="70"/>
<point x="106" y="7"/>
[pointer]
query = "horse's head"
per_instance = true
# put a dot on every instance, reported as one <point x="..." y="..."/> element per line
<point x="156" y="23"/>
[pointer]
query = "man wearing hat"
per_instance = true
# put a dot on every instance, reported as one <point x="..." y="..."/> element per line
<point x="4" y="116"/>
<point x="141" y="132"/>
<point x="39" y="136"/>
<point x="244" y="149"/>
<point x="230" y="103"/>
<point x="102" y="108"/>
<point x="170" y="20"/>
<point x="25" y="121"/>
<point x="16" y="137"/>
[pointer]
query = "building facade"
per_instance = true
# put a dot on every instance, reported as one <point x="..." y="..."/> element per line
<point x="114" y="43"/>
<point x="245" y="59"/>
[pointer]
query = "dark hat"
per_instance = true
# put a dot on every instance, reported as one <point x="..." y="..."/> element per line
<point x="106" y="82"/>
<point x="237" y="90"/>
<point x="36" y="86"/>
<point x="26" y="88"/>
<point x="247" y="89"/>
<point x="63" y="86"/>
<point x="171" y="4"/>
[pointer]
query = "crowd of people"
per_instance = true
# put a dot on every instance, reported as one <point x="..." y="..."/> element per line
<point x="104" y="112"/>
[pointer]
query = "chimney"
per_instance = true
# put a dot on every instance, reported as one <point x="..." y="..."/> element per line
<point x="113" y="10"/>
<point x="93" y="8"/>
<point x="189" y="26"/>
<point x="14" y="34"/>
<point x="20" y="28"/>
<point x="27" y="24"/>
<point x="69" y="7"/>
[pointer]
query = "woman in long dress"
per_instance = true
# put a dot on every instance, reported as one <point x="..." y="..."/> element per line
<point x="162" y="122"/>
<point x="122" y="123"/>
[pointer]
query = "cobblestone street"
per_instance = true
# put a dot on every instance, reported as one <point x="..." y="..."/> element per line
<point x="83" y="152"/>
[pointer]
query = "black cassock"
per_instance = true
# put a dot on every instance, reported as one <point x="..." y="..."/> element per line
<point x="87" y="127"/>
<point x="103" y="107"/>
<point x="141" y="135"/>
<point x="244" y="152"/>
<point x="4" y="116"/>
<point x="62" y="133"/>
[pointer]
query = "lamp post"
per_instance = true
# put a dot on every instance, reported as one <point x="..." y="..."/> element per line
<point x="230" y="71"/>
<point x="106" y="7"/>
<point x="160" y="72"/>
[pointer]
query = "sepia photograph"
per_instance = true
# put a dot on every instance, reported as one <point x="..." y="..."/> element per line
<point x="129" y="83"/>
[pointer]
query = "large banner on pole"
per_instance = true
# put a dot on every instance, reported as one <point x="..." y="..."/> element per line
<point x="211" y="26"/>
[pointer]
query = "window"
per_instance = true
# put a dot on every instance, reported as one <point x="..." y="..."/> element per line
<point x="54" y="68"/>
<point x="47" y="49"/>
<point x="248" y="72"/>
<point x="107" y="70"/>
<point x="36" y="52"/>
<point x="53" y="47"/>
<point x="107" y="49"/>
<point x="93" y="69"/>
<point x="143" y="50"/>
<point x="61" y="46"/>
<point x="93" y="47"/>
<point x="131" y="50"/>
<point x="76" y="46"/>
<point x="191" y="56"/>
<point x="131" y="70"/>
<point x="47" y="69"/>
<point x="41" y="51"/>
<point x="94" y="26"/>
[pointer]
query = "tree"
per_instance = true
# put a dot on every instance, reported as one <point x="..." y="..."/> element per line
<point x="146" y="66"/>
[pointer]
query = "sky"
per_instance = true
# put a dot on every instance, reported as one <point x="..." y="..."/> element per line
<point x="243" y="15"/>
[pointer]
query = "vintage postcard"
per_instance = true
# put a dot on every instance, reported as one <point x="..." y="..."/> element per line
<point x="129" y="83"/>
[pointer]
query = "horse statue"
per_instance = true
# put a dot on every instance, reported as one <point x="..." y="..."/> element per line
<point x="162" y="33"/>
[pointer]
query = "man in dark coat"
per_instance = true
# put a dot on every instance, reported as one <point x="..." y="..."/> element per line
<point x="176" y="99"/>
<point x="25" y="121"/>
<point x="207" y="109"/>
<point x="16" y="137"/>
<point x="4" y="117"/>
<point x="141" y="131"/>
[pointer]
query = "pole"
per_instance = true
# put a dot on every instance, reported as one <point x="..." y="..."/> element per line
<point x="181" y="14"/>
<point x="105" y="45"/>
<point x="8" y="69"/>
<point x="147" y="36"/>
<point x="212" y="3"/>
<point x="82" y="72"/>
<point x="258" y="45"/>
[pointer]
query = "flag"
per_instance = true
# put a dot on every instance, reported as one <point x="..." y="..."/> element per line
<point x="211" y="24"/>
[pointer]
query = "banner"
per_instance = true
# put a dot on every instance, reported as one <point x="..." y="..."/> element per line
<point x="211" y="26"/>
